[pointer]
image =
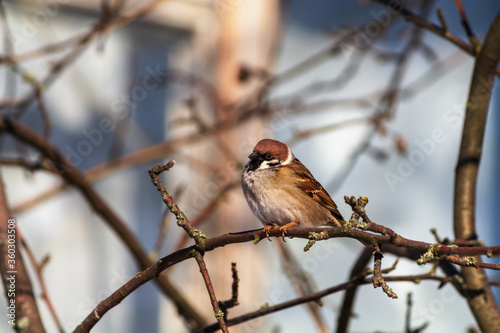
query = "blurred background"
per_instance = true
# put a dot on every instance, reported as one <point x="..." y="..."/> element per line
<point x="372" y="104"/>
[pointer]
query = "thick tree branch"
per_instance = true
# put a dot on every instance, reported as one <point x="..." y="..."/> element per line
<point x="482" y="302"/>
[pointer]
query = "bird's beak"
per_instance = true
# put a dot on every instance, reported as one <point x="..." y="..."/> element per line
<point x="253" y="162"/>
<point x="253" y="156"/>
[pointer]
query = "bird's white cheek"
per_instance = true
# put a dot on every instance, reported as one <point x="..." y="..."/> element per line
<point x="265" y="165"/>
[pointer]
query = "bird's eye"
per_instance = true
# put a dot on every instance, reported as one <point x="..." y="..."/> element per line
<point x="267" y="156"/>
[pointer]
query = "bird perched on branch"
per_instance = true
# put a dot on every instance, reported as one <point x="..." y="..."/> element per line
<point x="282" y="192"/>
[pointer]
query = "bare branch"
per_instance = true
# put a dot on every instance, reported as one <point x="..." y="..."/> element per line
<point x="482" y="301"/>
<point x="41" y="280"/>
<point x="182" y="220"/>
<point x="383" y="235"/>
<point x="70" y="174"/>
<point x="378" y="279"/>
<point x="440" y="31"/>
<point x="314" y="297"/>
<point x="255" y="236"/>
<point x="409" y="306"/>
<point x="219" y="315"/>
<point x="468" y="29"/>
<point x="231" y="303"/>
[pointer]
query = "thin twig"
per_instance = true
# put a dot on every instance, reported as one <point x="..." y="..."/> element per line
<point x="219" y="315"/>
<point x="378" y="279"/>
<point x="74" y="177"/>
<point x="80" y="44"/>
<point x="182" y="220"/>
<point x="169" y="147"/>
<point x="422" y="22"/>
<point x="468" y="29"/>
<point x="233" y="301"/>
<point x="160" y="236"/>
<point x="409" y="307"/>
<point x="207" y="211"/>
<point x="311" y="298"/>
<point x="41" y="280"/>
<point x="442" y="20"/>
<point x="10" y="89"/>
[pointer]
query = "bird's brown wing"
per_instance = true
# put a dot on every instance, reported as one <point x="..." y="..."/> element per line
<point x="313" y="188"/>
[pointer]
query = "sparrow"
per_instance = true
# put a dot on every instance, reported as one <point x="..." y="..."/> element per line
<point x="281" y="191"/>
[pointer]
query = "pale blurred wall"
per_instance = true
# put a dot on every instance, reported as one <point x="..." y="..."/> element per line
<point x="88" y="262"/>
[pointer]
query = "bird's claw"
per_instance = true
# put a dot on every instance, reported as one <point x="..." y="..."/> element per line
<point x="284" y="228"/>
<point x="267" y="230"/>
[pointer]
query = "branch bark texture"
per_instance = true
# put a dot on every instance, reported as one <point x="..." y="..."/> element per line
<point x="480" y="297"/>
